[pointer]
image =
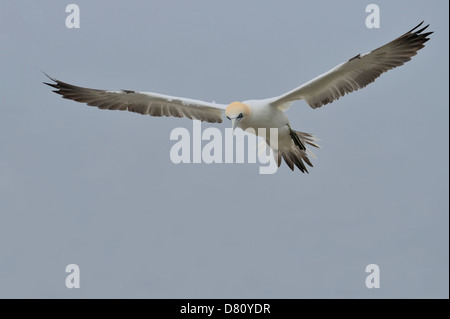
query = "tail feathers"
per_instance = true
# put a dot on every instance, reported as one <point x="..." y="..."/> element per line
<point x="308" y="138"/>
<point x="297" y="158"/>
<point x="297" y="153"/>
<point x="296" y="138"/>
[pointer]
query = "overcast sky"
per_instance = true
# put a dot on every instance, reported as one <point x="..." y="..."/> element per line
<point x="98" y="189"/>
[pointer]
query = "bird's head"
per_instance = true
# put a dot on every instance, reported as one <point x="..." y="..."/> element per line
<point x="235" y="112"/>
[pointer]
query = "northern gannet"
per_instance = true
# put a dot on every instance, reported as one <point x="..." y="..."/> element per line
<point x="347" y="77"/>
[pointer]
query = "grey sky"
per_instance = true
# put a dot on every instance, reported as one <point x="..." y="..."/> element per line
<point x="98" y="189"/>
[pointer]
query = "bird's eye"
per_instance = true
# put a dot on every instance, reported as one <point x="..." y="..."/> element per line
<point x="240" y="116"/>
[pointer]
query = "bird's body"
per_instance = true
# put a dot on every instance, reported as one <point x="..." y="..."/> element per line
<point x="270" y="113"/>
<point x="262" y="114"/>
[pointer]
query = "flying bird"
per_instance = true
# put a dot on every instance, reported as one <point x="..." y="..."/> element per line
<point x="347" y="77"/>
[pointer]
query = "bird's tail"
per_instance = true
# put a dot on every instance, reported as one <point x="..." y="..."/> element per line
<point x="297" y="153"/>
<point x="308" y="139"/>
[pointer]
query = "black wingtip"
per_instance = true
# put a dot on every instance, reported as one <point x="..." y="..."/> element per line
<point x="50" y="77"/>
<point x="417" y="26"/>
<point x="53" y="85"/>
<point x="421" y="30"/>
<point x="414" y="30"/>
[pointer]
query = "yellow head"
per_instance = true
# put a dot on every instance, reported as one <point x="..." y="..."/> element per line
<point x="235" y="112"/>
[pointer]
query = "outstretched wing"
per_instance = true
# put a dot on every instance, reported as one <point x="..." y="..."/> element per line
<point x="357" y="72"/>
<point x="152" y="104"/>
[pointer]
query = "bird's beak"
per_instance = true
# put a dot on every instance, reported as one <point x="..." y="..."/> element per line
<point x="233" y="124"/>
